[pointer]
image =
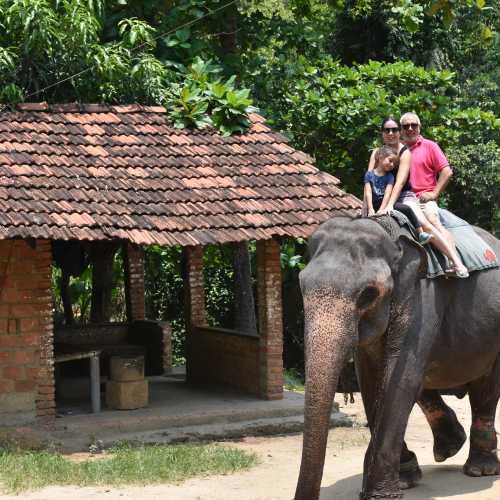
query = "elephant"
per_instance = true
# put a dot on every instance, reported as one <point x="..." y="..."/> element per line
<point x="364" y="288"/>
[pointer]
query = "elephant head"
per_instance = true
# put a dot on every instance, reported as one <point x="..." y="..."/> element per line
<point x="356" y="272"/>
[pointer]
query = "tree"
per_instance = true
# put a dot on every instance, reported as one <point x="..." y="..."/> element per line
<point x="95" y="51"/>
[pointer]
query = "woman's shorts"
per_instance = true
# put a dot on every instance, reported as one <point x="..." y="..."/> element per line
<point x="408" y="198"/>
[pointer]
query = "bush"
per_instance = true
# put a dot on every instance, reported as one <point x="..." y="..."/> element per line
<point x="334" y="111"/>
<point x="474" y="193"/>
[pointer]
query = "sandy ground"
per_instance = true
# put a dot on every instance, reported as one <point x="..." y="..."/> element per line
<point x="274" y="478"/>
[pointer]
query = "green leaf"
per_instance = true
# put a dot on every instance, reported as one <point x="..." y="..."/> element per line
<point x="486" y="34"/>
<point x="171" y="42"/>
<point x="183" y="34"/>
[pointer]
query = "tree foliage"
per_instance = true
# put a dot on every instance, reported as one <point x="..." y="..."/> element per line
<point x="96" y="51"/>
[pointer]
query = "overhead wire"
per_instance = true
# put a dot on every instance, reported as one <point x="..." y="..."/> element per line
<point x="133" y="49"/>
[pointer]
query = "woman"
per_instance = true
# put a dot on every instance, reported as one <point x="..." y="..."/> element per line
<point x="402" y="193"/>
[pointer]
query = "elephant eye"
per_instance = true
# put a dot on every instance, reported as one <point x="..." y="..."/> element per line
<point x="367" y="297"/>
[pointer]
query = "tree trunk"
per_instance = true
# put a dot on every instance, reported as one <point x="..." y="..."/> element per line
<point x="69" y="319"/>
<point x="69" y="256"/>
<point x="228" y="38"/>
<point x="245" y="318"/>
<point x="102" y="257"/>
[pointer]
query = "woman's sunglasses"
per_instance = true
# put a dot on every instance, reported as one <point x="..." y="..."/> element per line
<point x="408" y="126"/>
<point x="388" y="130"/>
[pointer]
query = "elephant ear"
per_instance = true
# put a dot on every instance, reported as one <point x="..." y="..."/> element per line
<point x="414" y="256"/>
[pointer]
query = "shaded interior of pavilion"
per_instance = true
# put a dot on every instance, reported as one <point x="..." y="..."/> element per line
<point x="244" y="359"/>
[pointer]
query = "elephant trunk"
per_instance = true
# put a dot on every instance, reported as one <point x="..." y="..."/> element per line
<point x="330" y="330"/>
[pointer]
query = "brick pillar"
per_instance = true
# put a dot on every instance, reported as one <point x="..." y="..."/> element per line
<point x="45" y="402"/>
<point x="194" y="298"/>
<point x="134" y="281"/>
<point x="270" y="319"/>
<point x="26" y="333"/>
<point x="195" y="287"/>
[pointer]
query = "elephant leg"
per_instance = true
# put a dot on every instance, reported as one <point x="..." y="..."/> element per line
<point x="410" y="473"/>
<point x="369" y="373"/>
<point x="449" y="435"/>
<point x="484" y="394"/>
<point x="401" y="386"/>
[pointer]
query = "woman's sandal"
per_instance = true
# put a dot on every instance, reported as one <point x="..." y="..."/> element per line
<point x="456" y="274"/>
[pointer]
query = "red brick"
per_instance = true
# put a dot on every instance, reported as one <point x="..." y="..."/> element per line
<point x="273" y="396"/>
<point x="10" y="294"/>
<point x="43" y="372"/>
<point x="6" y="386"/>
<point x="46" y="397"/>
<point x="25" y="385"/>
<point x="6" y="357"/>
<point x="43" y="405"/>
<point x="11" y="341"/>
<point x="4" y="326"/>
<point x="29" y="325"/>
<point x="24" y="310"/>
<point x="31" y="340"/>
<point x="46" y="390"/>
<point x="14" y="373"/>
<point x="24" y="268"/>
<point x="43" y="412"/>
<point x="24" y="357"/>
<point x="13" y="327"/>
<point x="32" y="373"/>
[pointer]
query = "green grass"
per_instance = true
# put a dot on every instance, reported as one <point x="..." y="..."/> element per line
<point x="125" y="465"/>
<point x="294" y="380"/>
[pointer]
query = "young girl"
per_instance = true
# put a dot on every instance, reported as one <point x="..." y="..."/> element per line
<point x="378" y="188"/>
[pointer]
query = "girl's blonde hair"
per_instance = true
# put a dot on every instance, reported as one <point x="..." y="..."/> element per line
<point x="385" y="152"/>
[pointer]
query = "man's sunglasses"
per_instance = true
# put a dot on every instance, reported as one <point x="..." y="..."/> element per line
<point x="394" y="130"/>
<point x="408" y="126"/>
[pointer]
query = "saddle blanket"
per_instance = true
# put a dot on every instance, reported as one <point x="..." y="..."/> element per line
<point x="476" y="254"/>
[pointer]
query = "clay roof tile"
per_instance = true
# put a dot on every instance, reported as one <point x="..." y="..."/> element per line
<point x="93" y="172"/>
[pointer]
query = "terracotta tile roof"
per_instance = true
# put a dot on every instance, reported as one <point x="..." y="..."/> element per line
<point x="94" y="172"/>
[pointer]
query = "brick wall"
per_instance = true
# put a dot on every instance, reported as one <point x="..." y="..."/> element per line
<point x="26" y="332"/>
<point x="134" y="281"/>
<point x="226" y="357"/>
<point x="250" y="363"/>
<point x="270" y="312"/>
<point x="215" y="355"/>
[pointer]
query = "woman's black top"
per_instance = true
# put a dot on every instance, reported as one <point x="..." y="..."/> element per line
<point x="407" y="185"/>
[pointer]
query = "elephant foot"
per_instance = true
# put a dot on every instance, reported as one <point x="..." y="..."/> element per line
<point x="409" y="473"/>
<point x="482" y="463"/>
<point x="448" y="440"/>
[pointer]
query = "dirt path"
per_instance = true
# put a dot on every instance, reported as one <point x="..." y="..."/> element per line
<point x="275" y="477"/>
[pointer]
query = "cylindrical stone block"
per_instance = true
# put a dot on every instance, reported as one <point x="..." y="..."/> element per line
<point x="127" y="368"/>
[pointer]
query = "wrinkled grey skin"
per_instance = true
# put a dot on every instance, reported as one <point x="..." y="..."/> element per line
<point x="413" y="336"/>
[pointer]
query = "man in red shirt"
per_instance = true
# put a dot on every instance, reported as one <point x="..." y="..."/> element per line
<point x="429" y="172"/>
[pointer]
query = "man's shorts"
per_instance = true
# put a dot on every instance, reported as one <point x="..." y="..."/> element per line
<point x="429" y="208"/>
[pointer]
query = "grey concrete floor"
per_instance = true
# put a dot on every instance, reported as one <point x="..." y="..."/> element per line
<point x="180" y="412"/>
